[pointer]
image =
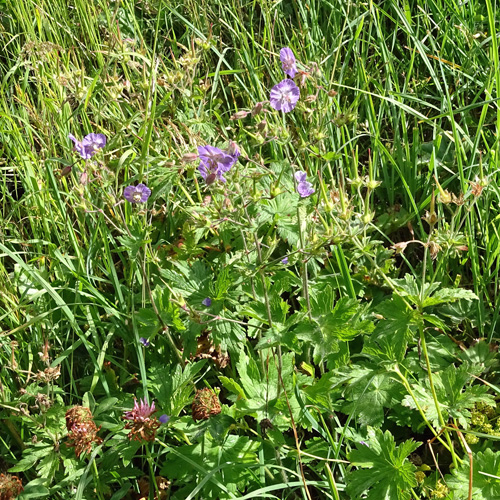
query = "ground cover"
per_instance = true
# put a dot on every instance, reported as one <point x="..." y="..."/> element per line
<point x="249" y="249"/>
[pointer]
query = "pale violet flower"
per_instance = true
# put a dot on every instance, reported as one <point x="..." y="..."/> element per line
<point x="304" y="188"/>
<point x="284" y="96"/>
<point x="164" y="418"/>
<point x="137" y="194"/>
<point x="287" y="59"/>
<point x="89" y="145"/>
<point x="214" y="163"/>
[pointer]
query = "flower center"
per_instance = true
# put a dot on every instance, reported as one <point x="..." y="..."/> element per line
<point x="137" y="196"/>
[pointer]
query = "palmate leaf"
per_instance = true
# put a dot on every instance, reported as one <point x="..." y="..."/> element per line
<point x="330" y="326"/>
<point x="258" y="396"/>
<point x="485" y="487"/>
<point x="433" y="295"/>
<point x="454" y="393"/>
<point x="392" y="333"/>
<point x="384" y="472"/>
<point x="369" y="391"/>
<point x="282" y="210"/>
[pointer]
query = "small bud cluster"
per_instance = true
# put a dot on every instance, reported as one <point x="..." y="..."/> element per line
<point x="82" y="431"/>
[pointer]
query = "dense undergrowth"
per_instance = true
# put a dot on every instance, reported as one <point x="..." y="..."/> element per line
<point x="317" y="317"/>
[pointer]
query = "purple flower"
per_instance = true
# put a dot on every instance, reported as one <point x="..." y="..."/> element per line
<point x="164" y="419"/>
<point x="145" y="342"/>
<point x="288" y="62"/>
<point x="284" y="261"/>
<point x="141" y="411"/>
<point x="141" y="423"/>
<point x="284" y="96"/>
<point x="214" y="163"/>
<point x="207" y="302"/>
<point x="89" y="145"/>
<point x="304" y="188"/>
<point x="137" y="194"/>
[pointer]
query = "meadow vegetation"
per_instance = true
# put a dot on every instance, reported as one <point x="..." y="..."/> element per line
<point x="249" y="249"/>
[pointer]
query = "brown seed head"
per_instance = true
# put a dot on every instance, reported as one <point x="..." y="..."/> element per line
<point x="205" y="404"/>
<point x="10" y="487"/>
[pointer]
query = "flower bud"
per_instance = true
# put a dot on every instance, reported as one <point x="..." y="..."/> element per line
<point x="66" y="170"/>
<point x="261" y="125"/>
<point x="189" y="157"/>
<point x="257" y="109"/>
<point x="239" y="115"/>
<point x="233" y="149"/>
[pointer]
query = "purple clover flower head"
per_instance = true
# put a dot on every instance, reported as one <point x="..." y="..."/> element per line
<point x="145" y="342"/>
<point x="89" y="145"/>
<point x="284" y="96"/>
<point x="141" y="411"/>
<point x="207" y="302"/>
<point x="284" y="261"/>
<point x="214" y="163"/>
<point x="287" y="59"/>
<point x="137" y="194"/>
<point x="164" y="419"/>
<point x="304" y="188"/>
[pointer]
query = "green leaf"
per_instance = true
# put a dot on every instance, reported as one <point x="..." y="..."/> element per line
<point x="392" y="333"/>
<point x="278" y="335"/>
<point x="485" y="487"/>
<point x="447" y="295"/>
<point x="455" y="395"/>
<point x="385" y="472"/>
<point x="343" y="323"/>
<point x="263" y="400"/>
<point x="173" y="386"/>
<point x="369" y="391"/>
<point x="134" y="241"/>
<point x="232" y="386"/>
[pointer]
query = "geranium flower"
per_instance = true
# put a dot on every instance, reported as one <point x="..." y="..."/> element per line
<point x="284" y="96"/>
<point x="214" y="163"/>
<point x="137" y="194"/>
<point x="304" y="188"/>
<point x="287" y="59"/>
<point x="89" y="145"/>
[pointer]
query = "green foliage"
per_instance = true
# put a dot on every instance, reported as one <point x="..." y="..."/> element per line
<point x="384" y="469"/>
<point x="331" y="325"/>
<point x="369" y="392"/>
<point x="315" y="320"/>
<point x="224" y="468"/>
<point x="485" y="483"/>
<point x="456" y="394"/>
